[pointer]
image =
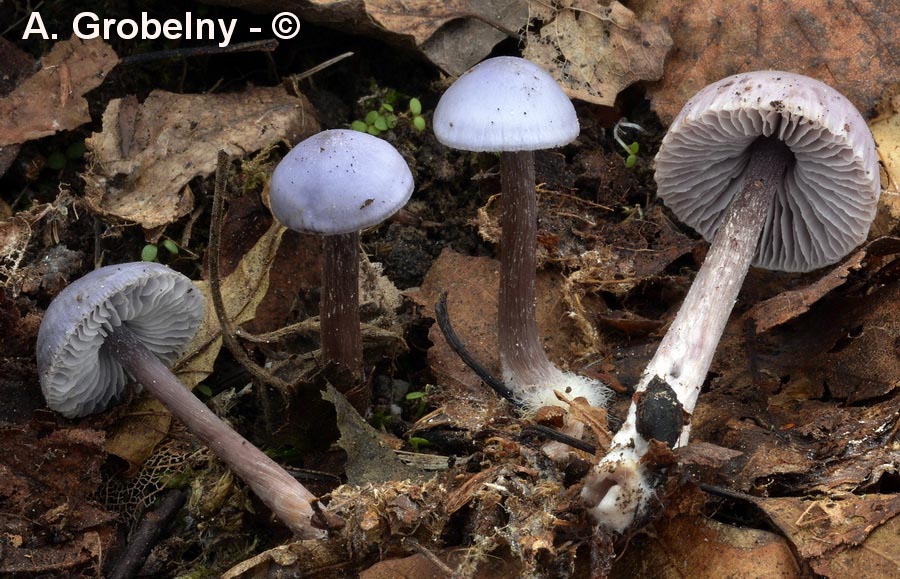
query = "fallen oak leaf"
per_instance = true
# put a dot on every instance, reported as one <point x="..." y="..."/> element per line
<point x="141" y="174"/>
<point x="853" y="48"/>
<point x="15" y="66"/>
<point x="52" y="100"/>
<point x="790" y="304"/>
<point x="452" y="34"/>
<point x="596" y="50"/>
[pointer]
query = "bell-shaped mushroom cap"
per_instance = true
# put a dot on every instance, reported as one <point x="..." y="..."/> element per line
<point x="505" y="104"/>
<point x="159" y="305"/>
<point x="339" y="181"/>
<point x="828" y="197"/>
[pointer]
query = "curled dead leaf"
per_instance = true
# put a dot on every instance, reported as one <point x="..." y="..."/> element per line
<point x="595" y="49"/>
<point x="853" y="48"/>
<point x="52" y="99"/>
<point x="146" y="154"/>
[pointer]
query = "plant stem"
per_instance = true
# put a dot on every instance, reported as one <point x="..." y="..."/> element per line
<point x="283" y="494"/>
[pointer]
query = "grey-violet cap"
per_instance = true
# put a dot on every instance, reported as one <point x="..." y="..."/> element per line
<point x="159" y="305"/>
<point x="827" y="200"/>
<point x="339" y="181"/>
<point x="505" y="104"/>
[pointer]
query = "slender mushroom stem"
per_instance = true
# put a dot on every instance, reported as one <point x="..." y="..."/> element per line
<point x="282" y="493"/>
<point x="526" y="369"/>
<point x="619" y="488"/>
<point x="341" y="338"/>
<point x="521" y="352"/>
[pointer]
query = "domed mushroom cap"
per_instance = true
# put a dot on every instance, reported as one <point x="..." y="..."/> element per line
<point x="827" y="200"/>
<point x="505" y="104"/>
<point x="161" y="306"/>
<point x="339" y="181"/>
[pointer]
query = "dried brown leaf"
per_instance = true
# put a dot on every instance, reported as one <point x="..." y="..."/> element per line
<point x="140" y="174"/>
<point x="854" y="47"/>
<point x="886" y="131"/>
<point x="593" y="417"/>
<point x="15" y="66"/>
<point x="700" y="548"/>
<point x="706" y="454"/>
<point x="369" y="460"/>
<point x="790" y="304"/>
<point x="52" y="99"/>
<point x="47" y="487"/>
<point x="471" y="285"/>
<point x="824" y="529"/>
<point x="452" y="34"/>
<point x="596" y="49"/>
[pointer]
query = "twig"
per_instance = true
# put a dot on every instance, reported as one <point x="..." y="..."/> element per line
<point x="308" y="326"/>
<point x="252" y="46"/>
<point x="147" y="535"/>
<point x="553" y="434"/>
<point x="425" y="552"/>
<point x="215" y="288"/>
<point x="296" y="78"/>
<point x="443" y="320"/>
<point x="22" y="19"/>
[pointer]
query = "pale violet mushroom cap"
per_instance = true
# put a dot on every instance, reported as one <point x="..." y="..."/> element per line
<point x="339" y="181"/>
<point x="505" y="104"/>
<point x="827" y="200"/>
<point x="159" y="305"/>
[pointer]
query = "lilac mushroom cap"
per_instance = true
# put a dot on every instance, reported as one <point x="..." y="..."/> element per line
<point x="827" y="200"/>
<point x="339" y="181"/>
<point x="159" y="305"/>
<point x="505" y="104"/>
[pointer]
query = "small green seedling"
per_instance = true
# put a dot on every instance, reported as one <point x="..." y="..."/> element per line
<point x="384" y="118"/>
<point x="150" y="252"/>
<point x="420" y="399"/>
<point x="418" y="443"/>
<point x="632" y="149"/>
<point x="57" y="160"/>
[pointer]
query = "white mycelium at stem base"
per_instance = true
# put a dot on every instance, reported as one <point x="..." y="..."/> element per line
<point x="513" y="106"/>
<point x="782" y="171"/>
<point x="523" y="361"/>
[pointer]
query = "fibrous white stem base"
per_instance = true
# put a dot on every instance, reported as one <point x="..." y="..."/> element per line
<point x="619" y="489"/>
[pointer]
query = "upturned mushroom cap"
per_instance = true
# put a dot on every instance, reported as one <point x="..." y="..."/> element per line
<point x="505" y="104"/>
<point x="828" y="197"/>
<point x="339" y="181"/>
<point x="161" y="306"/>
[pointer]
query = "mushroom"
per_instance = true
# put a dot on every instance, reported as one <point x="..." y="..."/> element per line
<point x="335" y="184"/>
<point x="513" y="106"/>
<point x="136" y="318"/>
<point x="776" y="169"/>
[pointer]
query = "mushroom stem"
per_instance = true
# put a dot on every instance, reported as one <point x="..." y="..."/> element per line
<point x="522" y="355"/>
<point x="283" y="494"/>
<point x="619" y="487"/>
<point x="340" y="333"/>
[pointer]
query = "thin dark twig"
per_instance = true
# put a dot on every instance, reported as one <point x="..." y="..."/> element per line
<point x="253" y="46"/>
<point x="553" y="434"/>
<point x="215" y="287"/>
<point x="737" y="495"/>
<point x="147" y="535"/>
<point x="424" y="551"/>
<point x="443" y="320"/>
